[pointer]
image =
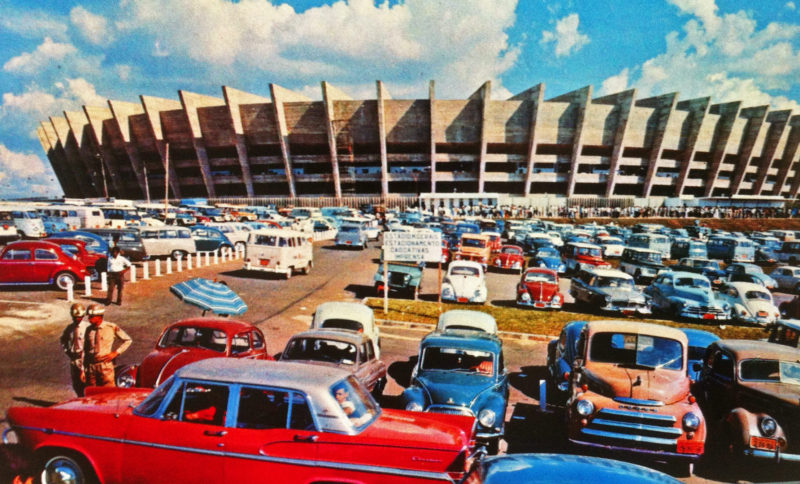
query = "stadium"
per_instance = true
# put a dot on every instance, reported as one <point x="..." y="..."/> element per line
<point x="243" y="145"/>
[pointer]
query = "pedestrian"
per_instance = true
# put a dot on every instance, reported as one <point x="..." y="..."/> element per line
<point x="118" y="265"/>
<point x="103" y="342"/>
<point x="72" y="343"/>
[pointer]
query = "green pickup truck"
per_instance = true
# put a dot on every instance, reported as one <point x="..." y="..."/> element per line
<point x="405" y="278"/>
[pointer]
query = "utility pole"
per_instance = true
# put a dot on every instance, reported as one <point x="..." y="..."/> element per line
<point x="103" y="174"/>
<point x="166" y="179"/>
<point x="146" y="183"/>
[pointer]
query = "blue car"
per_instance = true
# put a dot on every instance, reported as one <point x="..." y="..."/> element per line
<point x="548" y="257"/>
<point x="756" y="272"/>
<point x="209" y="239"/>
<point x="686" y="295"/>
<point x="699" y="340"/>
<point x="564" y="468"/>
<point x="461" y="371"/>
<point x="560" y="355"/>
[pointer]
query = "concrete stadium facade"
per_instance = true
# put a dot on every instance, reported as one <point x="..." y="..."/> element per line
<point x="246" y="145"/>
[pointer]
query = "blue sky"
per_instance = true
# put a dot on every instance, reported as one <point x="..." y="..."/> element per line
<point x="62" y="54"/>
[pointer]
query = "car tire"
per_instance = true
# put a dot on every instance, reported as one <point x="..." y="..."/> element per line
<point x="55" y="466"/>
<point x="305" y="270"/>
<point x="64" y="280"/>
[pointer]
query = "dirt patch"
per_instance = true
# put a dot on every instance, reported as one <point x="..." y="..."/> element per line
<point x="19" y="319"/>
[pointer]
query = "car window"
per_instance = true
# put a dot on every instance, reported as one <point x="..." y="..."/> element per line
<point x="722" y="365"/>
<point x="199" y="402"/>
<point x="636" y="350"/>
<point x="150" y="405"/>
<point x="261" y="408"/>
<point x="44" y="254"/>
<point x="337" y="323"/>
<point x="448" y="358"/>
<point x="464" y="271"/>
<point x="258" y="340"/>
<point x="362" y="357"/>
<point x="240" y="343"/>
<point x="540" y="277"/>
<point x="195" y="337"/>
<point x="17" y="254"/>
<point x="758" y="296"/>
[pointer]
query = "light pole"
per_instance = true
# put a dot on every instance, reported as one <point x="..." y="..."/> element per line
<point x="103" y="173"/>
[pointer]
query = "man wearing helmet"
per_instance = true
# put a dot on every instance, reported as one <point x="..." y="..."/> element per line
<point x="72" y="343"/>
<point x="103" y="342"/>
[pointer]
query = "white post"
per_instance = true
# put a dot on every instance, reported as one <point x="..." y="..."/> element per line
<point x="208" y="258"/>
<point x="87" y="286"/>
<point x="199" y="259"/>
<point x="70" y="294"/>
<point x="224" y="254"/>
<point x="543" y="395"/>
<point x="146" y="270"/>
<point x="179" y="264"/>
<point x="188" y="262"/>
<point x="104" y="281"/>
<point x="169" y="266"/>
<point x="216" y="256"/>
<point x="133" y="274"/>
<point x="158" y="267"/>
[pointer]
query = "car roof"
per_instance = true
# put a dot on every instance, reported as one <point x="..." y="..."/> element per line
<point x="748" y="286"/>
<point x="691" y="275"/>
<point x="333" y="334"/>
<point x="229" y="325"/>
<point x="636" y="327"/>
<point x="745" y="348"/>
<point x="469" y="339"/>
<point x="610" y="273"/>
<point x="639" y="249"/>
<point x="465" y="263"/>
<point x="540" y="270"/>
<point x="466" y="317"/>
<point x="32" y="244"/>
<point x="340" y="309"/>
<point x="284" y="374"/>
<point x="584" y="245"/>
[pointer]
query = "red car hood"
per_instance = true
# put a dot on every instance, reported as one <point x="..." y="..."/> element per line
<point x="421" y="430"/>
<point x="162" y="362"/>
<point x="541" y="291"/>
<point x="668" y="386"/>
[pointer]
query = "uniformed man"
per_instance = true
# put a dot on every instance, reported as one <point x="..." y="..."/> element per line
<point x="72" y="343"/>
<point x="103" y="342"/>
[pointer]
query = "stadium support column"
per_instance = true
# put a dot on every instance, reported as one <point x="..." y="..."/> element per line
<point x="329" y="95"/>
<point x="624" y="102"/>
<point x="788" y="157"/>
<point x="664" y="105"/>
<point x="83" y="174"/>
<point x="776" y="134"/>
<point x="382" y="95"/>
<point x="62" y="172"/>
<point x="581" y="99"/>
<point x="233" y="98"/>
<point x="81" y="141"/>
<point x="432" y="124"/>
<point x="121" y="113"/>
<point x="280" y="96"/>
<point x="534" y="95"/>
<point x="698" y="109"/>
<point x="727" y="116"/>
<point x="486" y="97"/>
<point x="755" y="120"/>
<point x="191" y="102"/>
<point x="152" y="109"/>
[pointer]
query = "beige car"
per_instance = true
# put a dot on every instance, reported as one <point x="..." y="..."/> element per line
<point x="476" y="248"/>
<point x="167" y="241"/>
<point x="354" y="352"/>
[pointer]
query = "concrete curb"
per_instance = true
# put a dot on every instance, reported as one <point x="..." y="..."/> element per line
<point x="390" y="323"/>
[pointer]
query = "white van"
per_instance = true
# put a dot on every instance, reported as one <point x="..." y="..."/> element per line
<point x="29" y="224"/>
<point x="8" y="231"/>
<point x="236" y="232"/>
<point x="279" y="250"/>
<point x="166" y="241"/>
<point x="62" y="213"/>
<point x="90" y="217"/>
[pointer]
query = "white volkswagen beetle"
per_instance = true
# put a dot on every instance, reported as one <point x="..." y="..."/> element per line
<point x="749" y="302"/>
<point x="465" y="283"/>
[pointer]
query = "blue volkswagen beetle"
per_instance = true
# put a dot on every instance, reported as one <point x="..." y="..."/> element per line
<point x="461" y="371"/>
<point x="699" y="340"/>
<point x="549" y="258"/>
<point x="560" y="355"/>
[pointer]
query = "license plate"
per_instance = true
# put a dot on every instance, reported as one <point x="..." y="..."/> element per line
<point x="627" y="312"/>
<point x="462" y="299"/>
<point x="347" y="242"/>
<point x="264" y="262"/>
<point x="690" y="447"/>
<point x="763" y="443"/>
<point x="762" y="314"/>
<point x="538" y="305"/>
<point x="708" y="316"/>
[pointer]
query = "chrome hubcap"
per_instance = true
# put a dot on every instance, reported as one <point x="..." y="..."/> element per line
<point x="61" y="470"/>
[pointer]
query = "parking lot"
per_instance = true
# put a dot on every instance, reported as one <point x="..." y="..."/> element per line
<point x="35" y="370"/>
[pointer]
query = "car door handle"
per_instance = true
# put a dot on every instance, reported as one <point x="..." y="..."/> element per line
<point x="305" y="438"/>
<point x="215" y="433"/>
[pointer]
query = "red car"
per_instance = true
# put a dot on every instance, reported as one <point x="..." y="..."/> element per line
<point x="445" y="252"/>
<point x="232" y="421"/>
<point x="510" y="257"/>
<point x="538" y="288"/>
<point x="39" y="262"/>
<point x="192" y="340"/>
<point x="95" y="263"/>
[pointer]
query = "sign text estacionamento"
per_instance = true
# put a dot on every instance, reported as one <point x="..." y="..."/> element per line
<point x="413" y="246"/>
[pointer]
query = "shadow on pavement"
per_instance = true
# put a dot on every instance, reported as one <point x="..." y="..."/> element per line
<point x="527" y="380"/>
<point x="401" y="371"/>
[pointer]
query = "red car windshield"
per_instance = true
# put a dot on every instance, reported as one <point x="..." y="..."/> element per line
<point x="636" y="350"/>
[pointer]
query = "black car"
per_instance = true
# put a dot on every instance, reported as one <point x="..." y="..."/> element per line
<point x="128" y="240"/>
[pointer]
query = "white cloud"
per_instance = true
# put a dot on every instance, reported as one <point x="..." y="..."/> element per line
<point x="726" y="56"/>
<point x="615" y="84"/>
<point x="124" y="72"/>
<point x="31" y="62"/>
<point x="566" y="37"/>
<point x="25" y="175"/>
<point x="92" y="27"/>
<point x="20" y="163"/>
<point x="32" y="24"/>
<point x="460" y="43"/>
<point x="791" y="6"/>
<point x="37" y="104"/>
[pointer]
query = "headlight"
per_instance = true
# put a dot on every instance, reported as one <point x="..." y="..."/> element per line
<point x="446" y="290"/>
<point x="477" y="292"/>
<point x="584" y="408"/>
<point x="486" y="417"/>
<point x="525" y="296"/>
<point x="562" y="268"/>
<point x="690" y="421"/>
<point x="407" y="277"/>
<point x="768" y="426"/>
<point x="413" y="407"/>
<point x="126" y="380"/>
<point x="542" y="264"/>
<point x="556" y="299"/>
<point x="608" y="299"/>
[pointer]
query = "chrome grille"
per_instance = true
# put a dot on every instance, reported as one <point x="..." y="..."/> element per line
<point x="633" y="429"/>
<point x="450" y="409"/>
<point x="699" y="310"/>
